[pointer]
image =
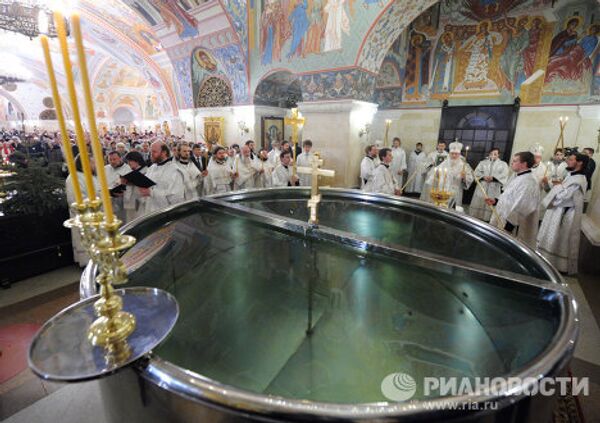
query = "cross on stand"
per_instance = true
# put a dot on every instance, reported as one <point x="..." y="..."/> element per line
<point x="295" y="121"/>
<point x="315" y="197"/>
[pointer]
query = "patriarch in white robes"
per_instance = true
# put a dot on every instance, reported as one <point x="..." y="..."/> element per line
<point x="558" y="238"/>
<point x="492" y="174"/>
<point x="456" y="176"/>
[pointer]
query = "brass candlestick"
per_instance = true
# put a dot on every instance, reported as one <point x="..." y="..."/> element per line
<point x="112" y="327"/>
<point x="103" y="243"/>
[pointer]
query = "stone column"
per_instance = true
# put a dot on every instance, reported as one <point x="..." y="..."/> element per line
<point x="333" y="127"/>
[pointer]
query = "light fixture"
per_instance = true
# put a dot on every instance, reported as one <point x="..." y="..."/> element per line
<point x="23" y="17"/>
<point x="366" y="130"/>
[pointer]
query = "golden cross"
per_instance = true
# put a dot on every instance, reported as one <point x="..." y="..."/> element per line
<point x="315" y="197"/>
<point x="295" y="121"/>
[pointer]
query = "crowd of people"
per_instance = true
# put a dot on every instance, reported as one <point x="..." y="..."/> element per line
<point x="539" y="203"/>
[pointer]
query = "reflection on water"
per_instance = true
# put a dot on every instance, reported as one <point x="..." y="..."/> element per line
<point x="248" y="294"/>
<point x="400" y="227"/>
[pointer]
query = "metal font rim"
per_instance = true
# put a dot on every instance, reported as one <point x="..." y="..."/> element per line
<point x="203" y="390"/>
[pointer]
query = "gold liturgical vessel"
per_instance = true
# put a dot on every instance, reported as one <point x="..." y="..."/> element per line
<point x="439" y="194"/>
<point x="101" y="334"/>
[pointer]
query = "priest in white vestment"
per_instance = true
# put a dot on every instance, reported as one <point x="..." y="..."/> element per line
<point x="283" y="175"/>
<point x="220" y="173"/>
<point x="133" y="202"/>
<point x="539" y="171"/>
<point x="558" y="239"/>
<point x="417" y="162"/>
<point x="169" y="180"/>
<point x="384" y="180"/>
<point x="492" y="174"/>
<point x="275" y="153"/>
<point x="80" y="255"/>
<point x="367" y="168"/>
<point x="518" y="205"/>
<point x="304" y="159"/>
<point x="114" y="170"/>
<point x="556" y="170"/>
<point x="191" y="174"/>
<point x="434" y="159"/>
<point x="245" y="170"/>
<point x="457" y="175"/>
<point x="264" y="177"/>
<point x="398" y="164"/>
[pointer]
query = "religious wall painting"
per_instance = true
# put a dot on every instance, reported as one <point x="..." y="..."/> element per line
<point x="442" y="74"/>
<point x="147" y="39"/>
<point x="332" y="85"/>
<point x="176" y="16"/>
<point x="478" y="59"/>
<point x="233" y="67"/>
<point x="480" y="10"/>
<point x="416" y="76"/>
<point x="272" y="129"/>
<point x="214" y="131"/>
<point x="280" y="89"/>
<point x="205" y="59"/>
<point x="389" y="75"/>
<point x="150" y="107"/>
<point x="188" y="84"/>
<point x="298" y="28"/>
<point x="573" y="53"/>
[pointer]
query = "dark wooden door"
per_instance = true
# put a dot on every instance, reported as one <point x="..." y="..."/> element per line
<point x="481" y="128"/>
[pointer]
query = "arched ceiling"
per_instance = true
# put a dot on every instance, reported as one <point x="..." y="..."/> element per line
<point x="112" y="30"/>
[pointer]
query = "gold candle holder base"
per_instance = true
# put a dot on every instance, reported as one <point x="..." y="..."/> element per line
<point x="104" y="244"/>
<point x="440" y="198"/>
<point x="112" y="327"/>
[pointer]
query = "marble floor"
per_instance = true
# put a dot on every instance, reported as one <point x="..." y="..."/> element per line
<point x="26" y="399"/>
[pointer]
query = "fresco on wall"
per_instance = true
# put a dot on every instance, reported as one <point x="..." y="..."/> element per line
<point x="280" y="89"/>
<point x="471" y="51"/>
<point x="120" y="85"/>
<point x="335" y="85"/>
<point x="228" y="63"/>
<point x="307" y="35"/>
<point x="173" y="13"/>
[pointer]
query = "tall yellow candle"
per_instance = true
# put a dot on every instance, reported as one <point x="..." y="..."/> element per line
<point x="61" y="31"/>
<point x="445" y="176"/>
<point x="87" y="95"/>
<point x="61" y="121"/>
